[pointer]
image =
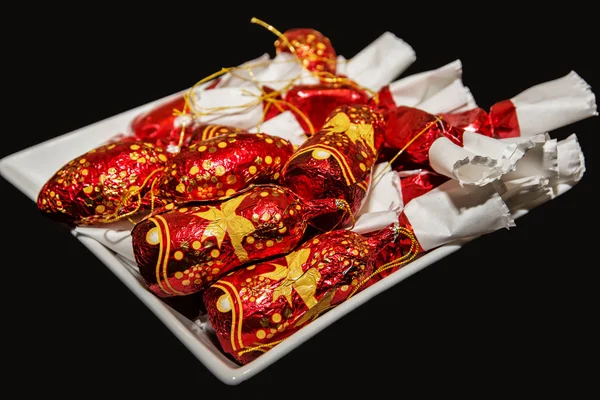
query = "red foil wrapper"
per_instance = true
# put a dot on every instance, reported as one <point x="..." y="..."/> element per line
<point x="396" y="254"/>
<point x="222" y="166"/>
<point x="312" y="47"/>
<point x="414" y="131"/>
<point x="500" y="123"/>
<point x="103" y="185"/>
<point x="418" y="184"/>
<point x="182" y="250"/>
<point x="317" y="102"/>
<point x="336" y="162"/>
<point x="384" y="100"/>
<point x="257" y="307"/>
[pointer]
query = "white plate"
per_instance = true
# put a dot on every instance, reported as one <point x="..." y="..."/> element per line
<point x="29" y="169"/>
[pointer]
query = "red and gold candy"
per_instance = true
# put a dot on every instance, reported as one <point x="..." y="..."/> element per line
<point x="312" y="47"/>
<point x="336" y="162"/>
<point x="221" y="166"/>
<point x="103" y="185"/>
<point x="260" y="305"/>
<point x="317" y="102"/>
<point x="501" y="122"/>
<point x="182" y="250"/>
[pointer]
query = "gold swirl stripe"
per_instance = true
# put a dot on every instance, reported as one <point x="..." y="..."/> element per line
<point x="240" y="314"/>
<point x="233" y="315"/>
<point x="339" y="157"/>
<point x="165" y="256"/>
<point x="363" y="186"/>
<point x="160" y="256"/>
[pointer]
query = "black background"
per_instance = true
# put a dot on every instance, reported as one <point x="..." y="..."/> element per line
<point x="512" y="311"/>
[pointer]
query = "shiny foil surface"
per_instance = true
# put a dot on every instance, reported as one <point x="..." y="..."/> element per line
<point x="312" y="47"/>
<point x="181" y="250"/>
<point x="396" y="254"/>
<point x="415" y="131"/>
<point x="104" y="185"/>
<point x="317" y="102"/>
<point x="418" y="184"/>
<point x="503" y="117"/>
<point x="336" y="162"/>
<point x="260" y="305"/>
<point x="221" y="166"/>
<point x="475" y="120"/>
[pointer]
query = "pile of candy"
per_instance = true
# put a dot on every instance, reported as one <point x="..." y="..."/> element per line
<point x="271" y="192"/>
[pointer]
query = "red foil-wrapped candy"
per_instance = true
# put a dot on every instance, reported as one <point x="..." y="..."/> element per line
<point x="258" y="306"/>
<point x="104" y="185"/>
<point x="336" y="162"/>
<point x="312" y="47"/>
<point x="317" y="102"/>
<point x="158" y="124"/>
<point x="182" y="250"/>
<point x="420" y="183"/>
<point x="396" y="254"/>
<point x="222" y="166"/>
<point x="501" y="122"/>
<point x="414" y="131"/>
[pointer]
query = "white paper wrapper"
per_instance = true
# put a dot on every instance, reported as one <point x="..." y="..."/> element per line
<point x="452" y="212"/>
<point x="243" y="107"/>
<point x="436" y="91"/>
<point x="284" y="125"/>
<point x="536" y="181"/>
<point x="341" y="66"/>
<point x="541" y="160"/>
<point x="481" y="160"/>
<point x="571" y="162"/>
<point x="380" y="62"/>
<point x="241" y="76"/>
<point x="554" y="104"/>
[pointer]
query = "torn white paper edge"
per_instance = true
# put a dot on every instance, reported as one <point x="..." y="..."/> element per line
<point x="452" y="212"/>
<point x="480" y="161"/>
<point x="380" y="62"/>
<point x="554" y="104"/>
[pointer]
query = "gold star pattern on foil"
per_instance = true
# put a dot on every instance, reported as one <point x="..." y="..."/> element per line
<point x="340" y="123"/>
<point x="323" y="305"/>
<point x="225" y="220"/>
<point x="304" y="283"/>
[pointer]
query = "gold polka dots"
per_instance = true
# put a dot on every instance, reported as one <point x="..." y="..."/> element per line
<point x="196" y="245"/>
<point x="185" y="282"/>
<point x="222" y="145"/>
<point x="178" y="255"/>
<point x="276" y="176"/>
<point x="134" y="147"/>
<point x="363" y="167"/>
<point x="268" y="159"/>
<point x="255" y="217"/>
<point x="276" y="318"/>
<point x="319" y="154"/>
<point x="264" y="194"/>
<point x="270" y="243"/>
<point x="162" y="157"/>
<point x="82" y="161"/>
<point x="194" y="170"/>
<point x="261" y="334"/>
<point x="252" y="169"/>
<point x="141" y="160"/>
<point x="215" y="271"/>
<point x="231" y="179"/>
<point x="249" y="240"/>
<point x="197" y="281"/>
<point x="229" y="192"/>
<point x="269" y="140"/>
<point x="344" y="288"/>
<point x="100" y="209"/>
<point x="202" y="148"/>
<point x="153" y="236"/>
<point x="212" y="150"/>
<point x="220" y="170"/>
<point x="84" y="172"/>
<point x="207" y="164"/>
<point x="180" y="187"/>
<point x="178" y="274"/>
<point x="315" y="241"/>
<point x="215" y="253"/>
<point x="170" y="206"/>
<point x="224" y="303"/>
<point x="88" y="189"/>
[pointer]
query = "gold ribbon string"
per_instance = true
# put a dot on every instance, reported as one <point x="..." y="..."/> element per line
<point x="389" y="163"/>
<point x="259" y="347"/>
<point x="405" y="259"/>
<point x="131" y="193"/>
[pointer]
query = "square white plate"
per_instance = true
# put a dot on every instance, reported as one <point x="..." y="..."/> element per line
<point x="29" y="169"/>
